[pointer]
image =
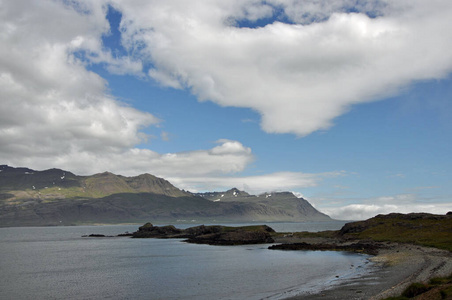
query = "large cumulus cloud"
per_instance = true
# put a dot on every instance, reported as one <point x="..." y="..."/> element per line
<point x="54" y="112"/>
<point x="305" y="64"/>
<point x="299" y="74"/>
<point x="51" y="106"/>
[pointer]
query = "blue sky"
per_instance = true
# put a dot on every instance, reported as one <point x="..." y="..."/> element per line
<point x="347" y="103"/>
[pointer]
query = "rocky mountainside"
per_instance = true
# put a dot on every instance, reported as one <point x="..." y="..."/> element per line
<point x="282" y="203"/>
<point x="22" y="183"/>
<point x="58" y="197"/>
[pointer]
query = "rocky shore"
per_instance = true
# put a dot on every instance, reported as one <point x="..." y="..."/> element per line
<point x="396" y="267"/>
<point x="371" y="248"/>
<point x="410" y="252"/>
<point x="404" y="249"/>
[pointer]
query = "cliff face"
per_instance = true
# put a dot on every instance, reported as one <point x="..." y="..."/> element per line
<point x="58" y="197"/>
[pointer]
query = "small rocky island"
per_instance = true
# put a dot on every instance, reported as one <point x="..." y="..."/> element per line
<point x="212" y="235"/>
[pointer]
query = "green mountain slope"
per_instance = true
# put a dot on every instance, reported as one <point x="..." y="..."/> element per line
<point x="17" y="184"/>
<point x="58" y="197"/>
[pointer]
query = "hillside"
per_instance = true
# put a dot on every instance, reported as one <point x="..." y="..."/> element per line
<point x="23" y="183"/>
<point x="415" y="228"/>
<point x="282" y="203"/>
<point x="59" y="197"/>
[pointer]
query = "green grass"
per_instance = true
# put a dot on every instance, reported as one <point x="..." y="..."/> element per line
<point x="72" y="192"/>
<point x="431" y="232"/>
<point x="442" y="287"/>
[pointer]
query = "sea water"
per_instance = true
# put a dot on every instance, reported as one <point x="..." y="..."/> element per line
<point x="57" y="263"/>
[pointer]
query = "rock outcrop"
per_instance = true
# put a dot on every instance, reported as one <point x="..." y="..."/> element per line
<point x="368" y="247"/>
<point x="150" y="231"/>
<point x="212" y="235"/>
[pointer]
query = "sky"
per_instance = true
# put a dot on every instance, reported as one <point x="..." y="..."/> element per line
<point x="347" y="103"/>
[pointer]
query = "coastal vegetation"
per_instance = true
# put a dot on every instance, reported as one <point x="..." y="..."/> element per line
<point x="367" y="236"/>
<point x="383" y="231"/>
<point x="417" y="228"/>
<point x="436" y="288"/>
<point x="362" y="236"/>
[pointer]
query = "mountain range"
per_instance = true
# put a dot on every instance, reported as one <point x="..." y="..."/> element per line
<point x="57" y="197"/>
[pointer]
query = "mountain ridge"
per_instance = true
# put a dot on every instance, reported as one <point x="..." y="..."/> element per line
<point x="282" y="201"/>
<point x="57" y="184"/>
<point x="59" y="197"/>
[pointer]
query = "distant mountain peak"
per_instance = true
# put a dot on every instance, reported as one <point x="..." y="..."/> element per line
<point x="280" y="202"/>
<point x="236" y="192"/>
<point x="58" y="197"/>
<point x="277" y="194"/>
<point x="65" y="184"/>
<point x="228" y="195"/>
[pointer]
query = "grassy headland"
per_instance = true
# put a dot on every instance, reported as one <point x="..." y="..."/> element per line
<point x="414" y="250"/>
<point x="416" y="228"/>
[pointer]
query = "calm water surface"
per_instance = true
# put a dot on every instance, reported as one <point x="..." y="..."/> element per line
<point x="56" y="263"/>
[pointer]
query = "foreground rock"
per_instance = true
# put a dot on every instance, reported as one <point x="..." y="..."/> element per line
<point x="212" y="235"/>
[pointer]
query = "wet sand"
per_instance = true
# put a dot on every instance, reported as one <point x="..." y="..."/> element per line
<point x="396" y="267"/>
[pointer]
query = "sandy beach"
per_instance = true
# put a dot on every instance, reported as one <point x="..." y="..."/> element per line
<point x="396" y="266"/>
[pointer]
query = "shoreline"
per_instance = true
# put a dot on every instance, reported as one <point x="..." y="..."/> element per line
<point x="395" y="267"/>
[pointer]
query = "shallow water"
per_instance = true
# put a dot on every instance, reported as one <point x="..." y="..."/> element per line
<point x="57" y="263"/>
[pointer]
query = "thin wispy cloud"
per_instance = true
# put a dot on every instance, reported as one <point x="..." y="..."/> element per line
<point x="274" y="182"/>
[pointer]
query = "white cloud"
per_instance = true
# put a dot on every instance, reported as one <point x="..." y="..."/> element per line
<point x="233" y="158"/>
<point x="53" y="111"/>
<point x="279" y="181"/>
<point x="368" y="208"/>
<point x="308" y="11"/>
<point x="301" y="76"/>
<point x="56" y="113"/>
